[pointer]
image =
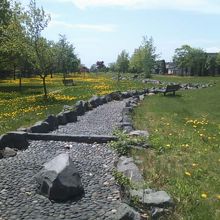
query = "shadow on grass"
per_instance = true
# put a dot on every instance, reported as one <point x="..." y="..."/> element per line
<point x="27" y="89"/>
<point x="172" y="96"/>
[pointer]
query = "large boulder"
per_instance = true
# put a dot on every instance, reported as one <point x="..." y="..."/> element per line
<point x="79" y="108"/>
<point x="40" y="127"/>
<point x="52" y="121"/>
<point x="14" y="139"/>
<point x="116" y="95"/>
<point x="59" y="180"/>
<point x="103" y="99"/>
<point x="86" y="106"/>
<point x="70" y="116"/>
<point x="61" y="119"/>
<point x="108" y="98"/>
<point x="95" y="101"/>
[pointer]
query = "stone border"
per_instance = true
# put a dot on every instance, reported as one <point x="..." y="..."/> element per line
<point x="71" y="138"/>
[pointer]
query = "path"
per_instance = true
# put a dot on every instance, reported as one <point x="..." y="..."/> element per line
<point x="18" y="197"/>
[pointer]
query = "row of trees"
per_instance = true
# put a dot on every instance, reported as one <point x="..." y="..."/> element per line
<point x="186" y="61"/>
<point x="195" y="61"/>
<point x="143" y="60"/>
<point x="23" y="50"/>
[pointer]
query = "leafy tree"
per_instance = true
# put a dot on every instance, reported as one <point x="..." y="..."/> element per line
<point x="67" y="59"/>
<point x="93" y="68"/>
<point x="191" y="61"/>
<point x="149" y="55"/>
<point x="42" y="61"/>
<point x="136" y="61"/>
<point x="15" y="44"/>
<point x="5" y="12"/>
<point x="122" y="62"/>
<point x="112" y="67"/>
<point x="144" y="58"/>
<point x="100" y="65"/>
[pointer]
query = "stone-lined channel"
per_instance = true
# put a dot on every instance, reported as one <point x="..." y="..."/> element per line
<point x="18" y="196"/>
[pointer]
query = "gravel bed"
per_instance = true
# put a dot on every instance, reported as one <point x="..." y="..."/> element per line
<point x="100" y="121"/>
<point x="18" y="189"/>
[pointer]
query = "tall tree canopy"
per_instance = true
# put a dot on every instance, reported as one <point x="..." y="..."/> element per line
<point x="191" y="61"/>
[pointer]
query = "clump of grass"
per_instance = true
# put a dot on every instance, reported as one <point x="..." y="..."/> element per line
<point x="125" y="142"/>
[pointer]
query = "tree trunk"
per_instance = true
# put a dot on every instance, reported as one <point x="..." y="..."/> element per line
<point x="20" y="81"/>
<point x="14" y="71"/>
<point x="51" y="75"/>
<point x="119" y="76"/>
<point x="45" y="87"/>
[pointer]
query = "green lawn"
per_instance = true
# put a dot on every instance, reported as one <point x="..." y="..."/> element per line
<point x="185" y="157"/>
<point x="25" y="107"/>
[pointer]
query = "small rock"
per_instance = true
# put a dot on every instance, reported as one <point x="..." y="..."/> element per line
<point x="139" y="133"/>
<point x="8" y="152"/>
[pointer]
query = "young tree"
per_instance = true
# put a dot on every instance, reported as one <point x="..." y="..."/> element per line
<point x="136" y="61"/>
<point x="122" y="63"/>
<point x="144" y="58"/>
<point x="149" y="56"/>
<point x="37" y="21"/>
<point x="67" y="59"/>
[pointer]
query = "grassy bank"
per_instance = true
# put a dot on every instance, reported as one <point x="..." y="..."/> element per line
<point x="185" y="159"/>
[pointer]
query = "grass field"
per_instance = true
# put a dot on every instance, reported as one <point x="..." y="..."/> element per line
<point x="25" y="107"/>
<point x="185" y="157"/>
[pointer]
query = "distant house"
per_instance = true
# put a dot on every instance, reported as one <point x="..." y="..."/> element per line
<point x="84" y="69"/>
<point x="171" y="68"/>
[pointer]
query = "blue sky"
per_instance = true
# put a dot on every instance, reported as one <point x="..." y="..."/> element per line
<point x="101" y="29"/>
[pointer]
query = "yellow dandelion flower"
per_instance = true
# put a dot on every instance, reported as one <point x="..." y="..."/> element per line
<point x="188" y="173"/>
<point x="194" y="164"/>
<point x="201" y="135"/>
<point x="168" y="145"/>
<point x="204" y="195"/>
<point x="218" y="197"/>
<point x="170" y="134"/>
<point x="186" y="145"/>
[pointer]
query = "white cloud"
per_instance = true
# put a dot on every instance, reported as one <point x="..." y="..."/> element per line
<point x="94" y="27"/>
<point x="205" y="6"/>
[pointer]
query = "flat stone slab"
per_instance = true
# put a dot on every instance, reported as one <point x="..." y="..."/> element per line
<point x="129" y="169"/>
<point x="72" y="138"/>
<point x="149" y="197"/>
